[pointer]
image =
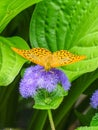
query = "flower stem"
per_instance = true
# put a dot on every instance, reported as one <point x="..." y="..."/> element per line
<point x="51" y="119"/>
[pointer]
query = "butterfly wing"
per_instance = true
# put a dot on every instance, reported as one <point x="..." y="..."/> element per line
<point x="36" y="55"/>
<point x="63" y="57"/>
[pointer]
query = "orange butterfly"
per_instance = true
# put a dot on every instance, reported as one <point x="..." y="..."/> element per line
<point x="46" y="58"/>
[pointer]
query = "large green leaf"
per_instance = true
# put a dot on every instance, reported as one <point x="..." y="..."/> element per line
<point x="10" y="8"/>
<point x="88" y="128"/>
<point x="71" y="25"/>
<point x="10" y="62"/>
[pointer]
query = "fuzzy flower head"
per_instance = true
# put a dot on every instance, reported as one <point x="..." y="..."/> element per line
<point x="94" y="100"/>
<point x="35" y="77"/>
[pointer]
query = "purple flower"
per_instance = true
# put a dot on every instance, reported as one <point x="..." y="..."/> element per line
<point x="36" y="77"/>
<point x="94" y="100"/>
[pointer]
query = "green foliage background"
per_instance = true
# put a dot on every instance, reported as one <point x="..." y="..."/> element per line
<point x="55" y="25"/>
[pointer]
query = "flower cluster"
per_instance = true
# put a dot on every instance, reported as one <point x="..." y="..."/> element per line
<point x="94" y="100"/>
<point x="36" y="77"/>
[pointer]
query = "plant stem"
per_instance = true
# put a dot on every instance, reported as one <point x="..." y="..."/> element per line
<point x="51" y="120"/>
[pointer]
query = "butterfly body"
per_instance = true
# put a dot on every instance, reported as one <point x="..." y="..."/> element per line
<point x="46" y="58"/>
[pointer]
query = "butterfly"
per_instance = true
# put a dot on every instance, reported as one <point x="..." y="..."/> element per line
<point x="47" y="59"/>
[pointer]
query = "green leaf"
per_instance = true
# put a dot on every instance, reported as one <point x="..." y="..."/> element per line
<point x="87" y="128"/>
<point x="45" y="100"/>
<point x="71" y="25"/>
<point x="9" y="9"/>
<point x="10" y="62"/>
<point x="94" y="121"/>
